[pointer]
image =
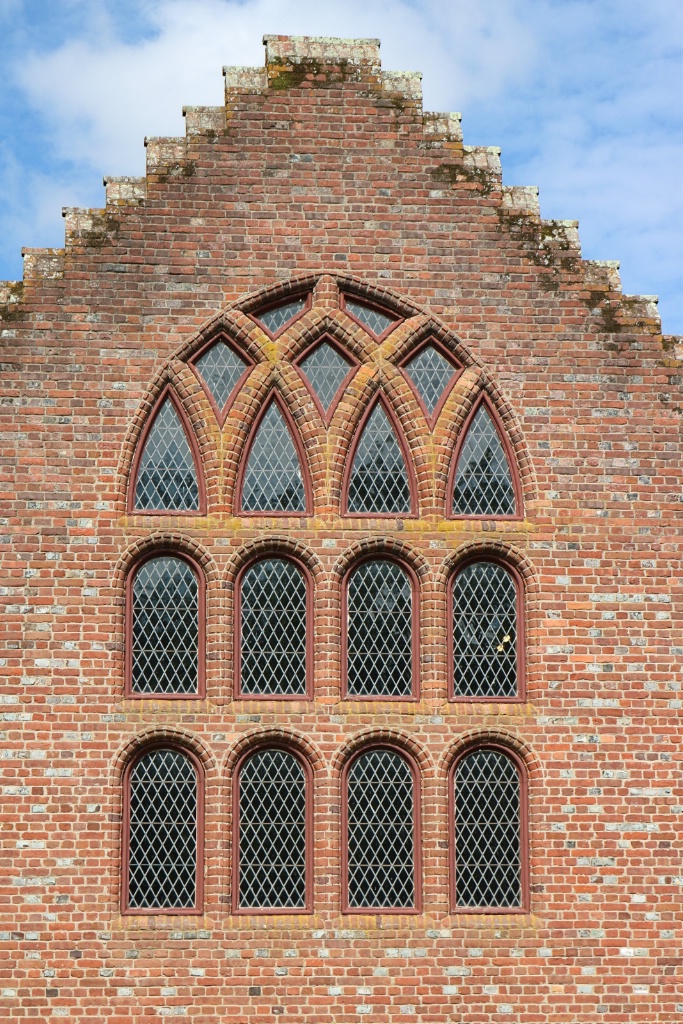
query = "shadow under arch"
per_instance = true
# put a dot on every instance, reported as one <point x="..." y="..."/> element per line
<point x="376" y="737"/>
<point x="257" y="739"/>
<point x="379" y="546"/>
<point x="498" y="549"/>
<point x="274" y="545"/>
<point x="156" y="736"/>
<point x="476" y="738"/>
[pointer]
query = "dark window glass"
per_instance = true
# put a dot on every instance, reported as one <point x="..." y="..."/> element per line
<point x="167" y="477"/>
<point x="375" y="321"/>
<point x="381" y="863"/>
<point x="325" y="368"/>
<point x="276" y="318"/>
<point x="484" y="632"/>
<point x="165" y="627"/>
<point x="273" y="628"/>
<point x="483" y="481"/>
<point x="380" y="631"/>
<point x="273" y="481"/>
<point x="162" y="848"/>
<point x="431" y="374"/>
<point x="487" y="831"/>
<point x="220" y="368"/>
<point x="379" y="477"/>
<point x="272" y="831"/>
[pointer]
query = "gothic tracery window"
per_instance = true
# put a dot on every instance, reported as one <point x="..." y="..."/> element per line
<point x="484" y="484"/>
<point x="378" y="481"/>
<point x="166" y="478"/>
<point x="273" y="477"/>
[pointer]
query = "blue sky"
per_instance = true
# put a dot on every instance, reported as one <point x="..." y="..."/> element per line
<point x="583" y="96"/>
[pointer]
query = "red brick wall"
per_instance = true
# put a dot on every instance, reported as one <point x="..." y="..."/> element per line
<point x="323" y="167"/>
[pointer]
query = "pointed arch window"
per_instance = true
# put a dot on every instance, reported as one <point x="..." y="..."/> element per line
<point x="273" y="478"/>
<point x="326" y="370"/>
<point x="165" y="628"/>
<point x="273" y="815"/>
<point x="274" y="602"/>
<point x="165" y="473"/>
<point x="484" y="483"/>
<point x="377" y="321"/>
<point x="489" y="860"/>
<point x="277" y="319"/>
<point x="220" y="369"/>
<point x="162" y="821"/>
<point x="488" y="631"/>
<point x="432" y="374"/>
<point x="381" y="828"/>
<point x="378" y="482"/>
<point x="381" y="646"/>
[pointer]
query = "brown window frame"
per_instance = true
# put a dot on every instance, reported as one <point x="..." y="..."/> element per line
<point x="221" y="415"/>
<point x="198" y="907"/>
<point x="309" y="827"/>
<point x="182" y="556"/>
<point x="167" y="393"/>
<point x="524" y="852"/>
<point x="380" y="398"/>
<point x="458" y="370"/>
<point x="379" y="556"/>
<point x="518" y="515"/>
<point x="395" y="748"/>
<point x="521" y="695"/>
<point x="273" y="396"/>
<point x="266" y="556"/>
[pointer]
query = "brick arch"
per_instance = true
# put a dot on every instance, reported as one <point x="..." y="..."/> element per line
<point x="244" y="334"/>
<point x="269" y="294"/>
<point x="373" y="737"/>
<point x="274" y="545"/>
<point x="166" y="382"/>
<point x="411" y="335"/>
<point x="380" y="546"/>
<point x="498" y="549"/>
<point x="321" y="322"/>
<point x="379" y="295"/>
<point x="473" y="739"/>
<point x="258" y="738"/>
<point x="163" y="540"/>
<point x="158" y="735"/>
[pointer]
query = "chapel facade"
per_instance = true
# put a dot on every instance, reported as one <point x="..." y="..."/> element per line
<point x="341" y="585"/>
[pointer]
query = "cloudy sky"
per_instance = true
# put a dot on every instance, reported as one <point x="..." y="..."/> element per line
<point x="583" y="96"/>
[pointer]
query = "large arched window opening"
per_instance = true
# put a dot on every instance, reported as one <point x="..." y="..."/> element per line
<point x="486" y="637"/>
<point x="380" y="631"/>
<point x="163" y="814"/>
<point x="489" y="834"/>
<point x="381" y="834"/>
<point x="166" y="475"/>
<point x="272" y="812"/>
<point x="483" y="482"/>
<point x="165" y="628"/>
<point x="273" y="477"/>
<point x="274" y="603"/>
<point x="378" y="479"/>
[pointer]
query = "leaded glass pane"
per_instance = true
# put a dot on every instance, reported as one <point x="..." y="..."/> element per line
<point x="273" y="481"/>
<point x="273" y="629"/>
<point x="167" y="477"/>
<point x="483" y="482"/>
<point x="220" y="368"/>
<point x="165" y="627"/>
<point x="484" y="632"/>
<point x="275" y="319"/>
<point x="488" y="866"/>
<point x="162" y="860"/>
<point x="375" y="321"/>
<point x="326" y="369"/>
<point x="381" y="854"/>
<point x="380" y="633"/>
<point x="379" y="477"/>
<point x="431" y="374"/>
<point x="272" y="831"/>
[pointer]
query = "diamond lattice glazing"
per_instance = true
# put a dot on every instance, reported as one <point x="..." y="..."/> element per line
<point x="220" y="368"/>
<point x="484" y="632"/>
<point x="273" y="481"/>
<point x="165" y="627"/>
<point x="380" y="634"/>
<point x="379" y="477"/>
<point x="375" y="321"/>
<point x="487" y="831"/>
<point x="431" y="373"/>
<point x="326" y="369"/>
<point x="274" y="319"/>
<point x="272" y="831"/>
<point x="167" y="477"/>
<point x="483" y="481"/>
<point x="273" y="628"/>
<point x="381" y="861"/>
<point x="162" y="860"/>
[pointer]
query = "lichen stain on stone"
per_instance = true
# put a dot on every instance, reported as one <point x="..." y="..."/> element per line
<point x="290" y="74"/>
<point x="11" y="311"/>
<point x="104" y="231"/>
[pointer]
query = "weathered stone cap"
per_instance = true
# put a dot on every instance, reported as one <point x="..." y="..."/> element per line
<point x="325" y="49"/>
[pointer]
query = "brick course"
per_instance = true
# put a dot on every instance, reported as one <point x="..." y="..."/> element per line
<point x="322" y="173"/>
